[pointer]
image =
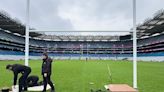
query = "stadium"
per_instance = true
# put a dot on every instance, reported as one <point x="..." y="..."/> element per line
<point x="82" y="62"/>
<point x="150" y="43"/>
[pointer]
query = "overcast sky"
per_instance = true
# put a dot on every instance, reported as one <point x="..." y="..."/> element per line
<point x="81" y="14"/>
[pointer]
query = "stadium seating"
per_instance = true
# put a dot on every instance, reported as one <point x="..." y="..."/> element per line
<point x="68" y="48"/>
<point x="3" y="52"/>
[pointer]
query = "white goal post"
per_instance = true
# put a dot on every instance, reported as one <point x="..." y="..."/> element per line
<point x="55" y="30"/>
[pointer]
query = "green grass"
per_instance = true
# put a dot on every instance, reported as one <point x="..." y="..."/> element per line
<point x="76" y="75"/>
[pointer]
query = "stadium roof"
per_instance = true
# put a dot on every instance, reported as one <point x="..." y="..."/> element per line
<point x="13" y="25"/>
<point x="79" y="38"/>
<point x="152" y="25"/>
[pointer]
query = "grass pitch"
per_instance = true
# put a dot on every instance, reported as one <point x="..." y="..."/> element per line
<point x="82" y="76"/>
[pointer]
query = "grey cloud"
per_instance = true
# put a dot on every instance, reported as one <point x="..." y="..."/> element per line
<point x="99" y="8"/>
<point x="44" y="13"/>
<point x="15" y="8"/>
<point x="147" y="8"/>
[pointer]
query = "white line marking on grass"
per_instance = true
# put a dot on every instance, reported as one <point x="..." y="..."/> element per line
<point x="109" y="72"/>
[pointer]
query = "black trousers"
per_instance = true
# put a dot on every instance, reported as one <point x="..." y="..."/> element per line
<point x="47" y="80"/>
<point x="23" y="80"/>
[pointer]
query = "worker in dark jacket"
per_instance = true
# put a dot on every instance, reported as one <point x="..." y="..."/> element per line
<point x="46" y="72"/>
<point x="32" y="81"/>
<point x="20" y="69"/>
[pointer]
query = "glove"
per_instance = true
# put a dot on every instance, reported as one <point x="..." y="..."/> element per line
<point x="45" y="74"/>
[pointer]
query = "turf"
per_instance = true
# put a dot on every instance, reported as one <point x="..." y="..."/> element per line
<point x="82" y="76"/>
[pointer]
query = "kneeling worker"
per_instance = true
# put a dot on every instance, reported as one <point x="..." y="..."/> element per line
<point x="46" y="72"/>
<point x="32" y="81"/>
<point x="24" y="70"/>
